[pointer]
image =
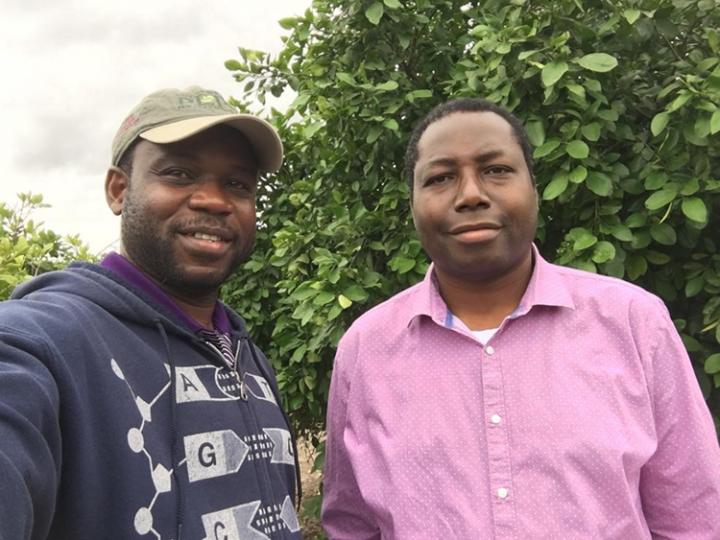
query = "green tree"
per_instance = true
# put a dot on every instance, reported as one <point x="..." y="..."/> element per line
<point x="622" y="103"/>
<point x="27" y="249"/>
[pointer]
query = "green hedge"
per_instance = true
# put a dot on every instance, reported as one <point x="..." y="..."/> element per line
<point x="621" y="101"/>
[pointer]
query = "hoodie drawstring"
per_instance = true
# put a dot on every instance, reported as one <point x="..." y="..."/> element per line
<point x="174" y="432"/>
<point x="298" y="479"/>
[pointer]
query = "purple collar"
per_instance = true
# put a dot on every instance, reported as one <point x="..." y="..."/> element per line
<point x="121" y="266"/>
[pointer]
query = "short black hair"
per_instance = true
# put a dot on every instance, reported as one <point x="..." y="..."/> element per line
<point x="459" y="106"/>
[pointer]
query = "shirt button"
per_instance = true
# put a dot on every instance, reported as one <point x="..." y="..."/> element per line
<point x="502" y="493"/>
<point x="489" y="350"/>
<point x="495" y="419"/>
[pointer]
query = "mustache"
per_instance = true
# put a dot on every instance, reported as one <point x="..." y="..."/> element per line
<point x="204" y="222"/>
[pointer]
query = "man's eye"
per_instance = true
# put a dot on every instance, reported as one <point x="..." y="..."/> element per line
<point x="181" y="174"/>
<point x="240" y="185"/>
<point x="497" y="170"/>
<point x="438" y="179"/>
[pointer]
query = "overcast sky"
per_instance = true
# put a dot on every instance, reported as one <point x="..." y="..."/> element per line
<point x="73" y="69"/>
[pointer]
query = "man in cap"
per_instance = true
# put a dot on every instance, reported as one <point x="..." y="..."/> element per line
<point x="505" y="397"/>
<point x="132" y="401"/>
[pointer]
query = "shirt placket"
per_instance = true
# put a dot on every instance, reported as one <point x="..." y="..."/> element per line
<point x="500" y="471"/>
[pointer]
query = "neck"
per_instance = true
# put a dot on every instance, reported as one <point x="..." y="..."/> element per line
<point x="200" y="309"/>
<point x="484" y="303"/>
<point x="196" y="303"/>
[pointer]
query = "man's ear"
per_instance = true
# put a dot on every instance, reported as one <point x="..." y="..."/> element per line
<point x="116" y="185"/>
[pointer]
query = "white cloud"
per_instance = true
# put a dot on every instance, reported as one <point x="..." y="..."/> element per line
<point x="72" y="70"/>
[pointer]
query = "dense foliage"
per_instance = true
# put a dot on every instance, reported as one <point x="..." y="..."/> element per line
<point x="27" y="248"/>
<point x="622" y="103"/>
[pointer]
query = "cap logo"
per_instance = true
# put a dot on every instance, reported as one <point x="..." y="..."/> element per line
<point x="200" y="100"/>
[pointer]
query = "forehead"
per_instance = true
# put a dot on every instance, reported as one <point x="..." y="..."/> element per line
<point x="475" y="130"/>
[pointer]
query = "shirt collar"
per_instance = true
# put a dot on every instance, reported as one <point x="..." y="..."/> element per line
<point x="122" y="267"/>
<point x="545" y="288"/>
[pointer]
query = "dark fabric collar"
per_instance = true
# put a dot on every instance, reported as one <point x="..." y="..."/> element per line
<point x="126" y="270"/>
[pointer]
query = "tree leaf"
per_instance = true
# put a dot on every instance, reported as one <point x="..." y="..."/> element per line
<point x="715" y="122"/>
<point x="387" y="86"/>
<point x="591" y="131"/>
<point x="599" y="183"/>
<point x="311" y="129"/>
<point x="656" y="180"/>
<point x="375" y="12"/>
<point x="419" y="94"/>
<point x="355" y="293"/>
<point x="233" y="65"/>
<point x="577" y="149"/>
<point x="346" y="78"/>
<point x="536" y="132"/>
<point x="546" y="148"/>
<point x="659" y="122"/>
<point x="636" y="266"/>
<point x="680" y="101"/>
<point x="555" y="187"/>
<point x="663" y="234"/>
<point x="288" y="23"/>
<point x="660" y="199"/>
<point x="552" y="73"/>
<point x="344" y="301"/>
<point x="582" y="239"/>
<point x="622" y="233"/>
<point x="712" y="363"/>
<point x="392" y="4"/>
<point x="402" y="265"/>
<point x="694" y="286"/>
<point x="694" y="208"/>
<point x="603" y="252"/>
<point x="600" y="62"/>
<point x="323" y="297"/>
<point x="391" y="123"/>
<point x="631" y="15"/>
<point x="373" y="134"/>
<point x="578" y="174"/>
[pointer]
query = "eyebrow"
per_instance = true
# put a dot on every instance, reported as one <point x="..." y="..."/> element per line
<point x="480" y="158"/>
<point x="170" y="155"/>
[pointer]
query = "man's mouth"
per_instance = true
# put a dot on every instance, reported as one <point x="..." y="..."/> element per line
<point x="208" y="237"/>
<point x="472" y="233"/>
<point x="208" y="233"/>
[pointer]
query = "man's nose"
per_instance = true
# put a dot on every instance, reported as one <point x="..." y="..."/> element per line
<point x="471" y="192"/>
<point x="209" y="195"/>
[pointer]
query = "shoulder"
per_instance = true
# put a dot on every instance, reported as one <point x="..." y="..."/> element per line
<point x="383" y="325"/>
<point x="393" y="313"/>
<point x="54" y="302"/>
<point x="617" y="309"/>
<point x="592" y="291"/>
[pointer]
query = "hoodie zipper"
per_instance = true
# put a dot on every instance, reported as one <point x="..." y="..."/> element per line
<point x="268" y="489"/>
<point x="239" y="375"/>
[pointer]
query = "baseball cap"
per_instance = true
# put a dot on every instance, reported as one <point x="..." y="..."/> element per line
<point x="172" y="115"/>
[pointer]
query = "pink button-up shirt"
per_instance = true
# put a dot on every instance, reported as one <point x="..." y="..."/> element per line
<point x="581" y="418"/>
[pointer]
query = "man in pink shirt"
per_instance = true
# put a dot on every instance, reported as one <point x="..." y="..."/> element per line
<point x="505" y="397"/>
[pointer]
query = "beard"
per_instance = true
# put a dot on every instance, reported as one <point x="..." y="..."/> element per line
<point x="154" y="251"/>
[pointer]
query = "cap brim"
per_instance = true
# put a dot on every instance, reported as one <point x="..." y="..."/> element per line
<point x="263" y="138"/>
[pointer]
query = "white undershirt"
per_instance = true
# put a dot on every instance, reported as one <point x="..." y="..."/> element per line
<point x="483" y="336"/>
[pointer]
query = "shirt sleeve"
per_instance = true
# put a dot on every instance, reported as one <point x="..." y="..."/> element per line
<point x="29" y="439"/>
<point x="680" y="484"/>
<point x="345" y="516"/>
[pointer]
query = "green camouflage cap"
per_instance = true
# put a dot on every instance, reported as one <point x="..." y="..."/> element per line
<point x="172" y="115"/>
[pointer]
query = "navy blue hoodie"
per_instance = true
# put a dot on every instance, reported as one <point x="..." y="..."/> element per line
<point x="118" y="422"/>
